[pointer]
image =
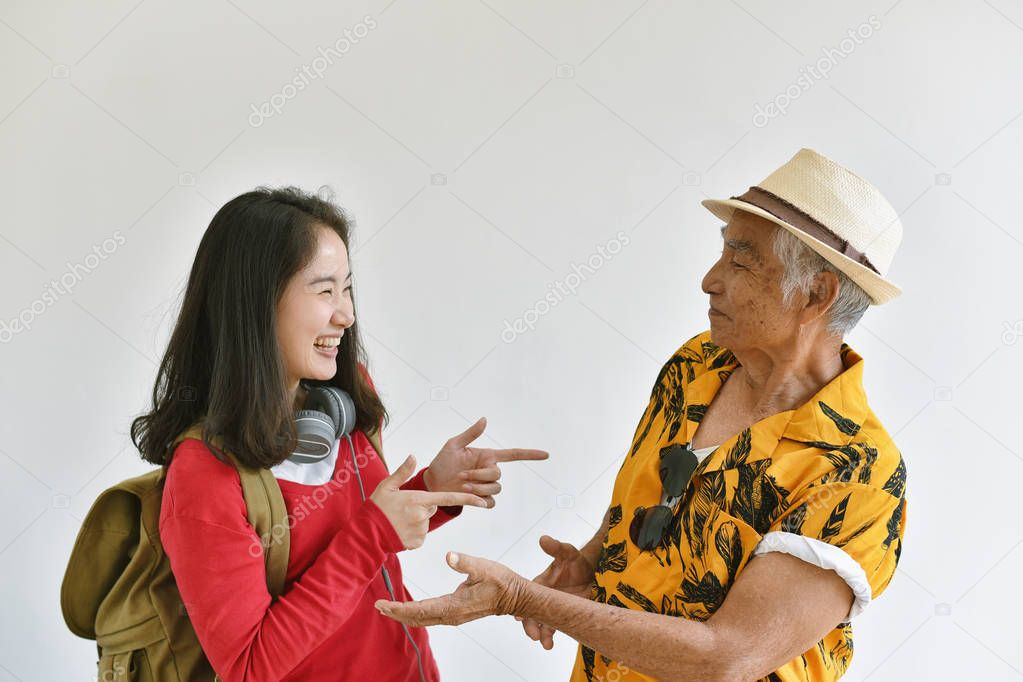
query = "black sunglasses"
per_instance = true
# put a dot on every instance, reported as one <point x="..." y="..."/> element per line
<point x="649" y="524"/>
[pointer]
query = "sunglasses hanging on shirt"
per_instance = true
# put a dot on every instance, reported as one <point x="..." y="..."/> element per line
<point x="649" y="524"/>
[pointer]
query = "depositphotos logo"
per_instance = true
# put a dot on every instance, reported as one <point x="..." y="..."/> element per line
<point x="63" y="286"/>
<point x="561" y="289"/>
<point x="811" y="74"/>
<point x="311" y="71"/>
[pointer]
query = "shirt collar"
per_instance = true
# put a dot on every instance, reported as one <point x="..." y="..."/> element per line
<point x="831" y="418"/>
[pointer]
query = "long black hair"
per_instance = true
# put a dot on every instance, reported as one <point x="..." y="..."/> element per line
<point x="223" y="365"/>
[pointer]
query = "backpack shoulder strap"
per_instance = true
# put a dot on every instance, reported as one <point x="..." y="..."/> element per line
<point x="268" y="515"/>
<point x="374" y="440"/>
<point x="266" y="512"/>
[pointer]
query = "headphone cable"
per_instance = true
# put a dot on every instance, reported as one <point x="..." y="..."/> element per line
<point x="383" y="569"/>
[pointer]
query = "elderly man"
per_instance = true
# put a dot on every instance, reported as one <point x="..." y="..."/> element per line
<point x="761" y="506"/>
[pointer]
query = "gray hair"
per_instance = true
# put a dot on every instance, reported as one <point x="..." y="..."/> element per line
<point x="801" y="265"/>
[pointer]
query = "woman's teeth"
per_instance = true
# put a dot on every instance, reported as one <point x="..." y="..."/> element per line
<point x="327" y="341"/>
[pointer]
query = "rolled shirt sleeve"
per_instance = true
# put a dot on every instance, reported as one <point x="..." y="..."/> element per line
<point x="854" y="529"/>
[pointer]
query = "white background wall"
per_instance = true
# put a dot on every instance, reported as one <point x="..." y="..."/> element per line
<point x="484" y="148"/>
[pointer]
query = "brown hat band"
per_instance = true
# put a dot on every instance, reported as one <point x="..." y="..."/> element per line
<point x="794" y="216"/>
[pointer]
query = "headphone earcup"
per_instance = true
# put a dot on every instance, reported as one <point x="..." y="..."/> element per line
<point x="325" y="399"/>
<point x="328" y="414"/>
<point x="315" y="432"/>
<point x="336" y="403"/>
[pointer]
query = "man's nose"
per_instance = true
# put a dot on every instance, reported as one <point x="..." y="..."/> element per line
<point x="711" y="283"/>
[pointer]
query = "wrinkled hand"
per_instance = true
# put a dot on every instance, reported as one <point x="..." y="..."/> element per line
<point x="570" y="572"/>
<point x="460" y="468"/>
<point x="489" y="589"/>
<point x="409" y="511"/>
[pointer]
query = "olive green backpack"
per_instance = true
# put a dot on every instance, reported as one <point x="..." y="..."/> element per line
<point x="118" y="588"/>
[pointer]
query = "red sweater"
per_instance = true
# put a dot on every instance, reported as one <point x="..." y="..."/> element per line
<point x="324" y="626"/>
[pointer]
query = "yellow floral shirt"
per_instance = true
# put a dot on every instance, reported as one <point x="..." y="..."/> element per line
<point x="827" y="470"/>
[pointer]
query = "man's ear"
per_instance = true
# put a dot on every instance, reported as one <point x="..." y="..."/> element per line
<point x="823" y="293"/>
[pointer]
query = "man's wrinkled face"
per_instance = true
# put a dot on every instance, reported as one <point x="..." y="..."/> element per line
<point x="744" y="287"/>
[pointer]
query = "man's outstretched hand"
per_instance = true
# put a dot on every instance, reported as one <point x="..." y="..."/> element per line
<point x="489" y="589"/>
<point x="570" y="572"/>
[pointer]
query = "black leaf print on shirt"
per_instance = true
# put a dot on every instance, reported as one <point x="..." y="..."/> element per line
<point x="845" y="460"/>
<point x="793" y="523"/>
<point x="713" y="487"/>
<point x="672" y="538"/>
<point x="705" y="503"/>
<point x="708" y="591"/>
<point x="834" y="524"/>
<point x="858" y="532"/>
<point x="740" y="451"/>
<point x="774" y="499"/>
<point x="589" y="658"/>
<point x="634" y="595"/>
<point x="868" y="462"/>
<point x="687" y="528"/>
<point x="667" y="397"/>
<point x="695" y="413"/>
<point x="612" y="558"/>
<point x="846" y="426"/>
<point x="613" y="600"/>
<point x="758" y="497"/>
<point x="676" y="606"/>
<point x="824" y="655"/>
<point x="726" y="358"/>
<point x="896" y="483"/>
<point x="729" y="545"/>
<point x="742" y="500"/>
<point x="822" y="445"/>
<point x="851" y="463"/>
<point x="842" y="652"/>
<point x="894" y="522"/>
<point x="615" y="516"/>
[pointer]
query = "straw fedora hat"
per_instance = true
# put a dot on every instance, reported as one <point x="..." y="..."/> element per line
<point x="832" y="210"/>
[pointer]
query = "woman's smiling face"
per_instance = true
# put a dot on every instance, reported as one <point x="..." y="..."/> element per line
<point x="315" y="310"/>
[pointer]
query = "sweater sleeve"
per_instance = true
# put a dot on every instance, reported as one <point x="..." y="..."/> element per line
<point x="217" y="562"/>
<point x="443" y="514"/>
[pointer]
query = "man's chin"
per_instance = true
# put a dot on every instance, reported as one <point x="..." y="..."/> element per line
<point x="717" y="336"/>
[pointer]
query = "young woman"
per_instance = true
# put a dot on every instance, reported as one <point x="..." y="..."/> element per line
<point x="268" y="310"/>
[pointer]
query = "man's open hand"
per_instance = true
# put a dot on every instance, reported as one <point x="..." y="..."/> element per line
<point x="570" y="572"/>
<point x="489" y="589"/>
